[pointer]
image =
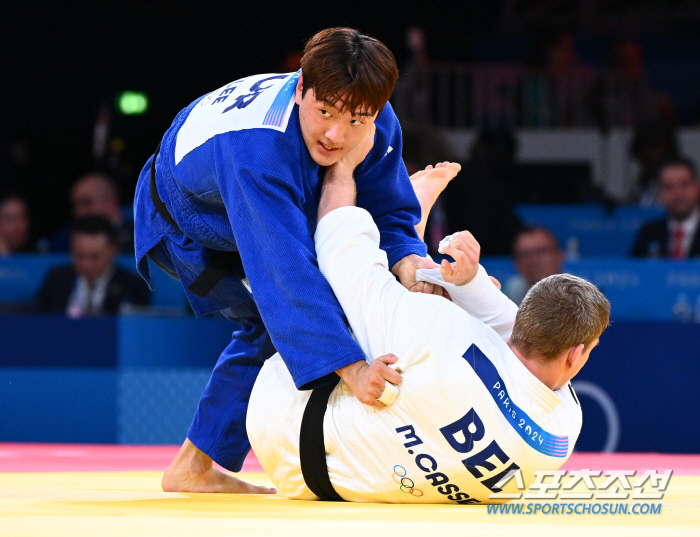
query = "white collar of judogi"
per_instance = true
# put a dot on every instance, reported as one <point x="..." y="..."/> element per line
<point x="528" y="384"/>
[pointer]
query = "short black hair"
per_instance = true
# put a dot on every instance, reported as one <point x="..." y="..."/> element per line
<point x="349" y="70"/>
<point x="678" y="160"/>
<point x="95" y="225"/>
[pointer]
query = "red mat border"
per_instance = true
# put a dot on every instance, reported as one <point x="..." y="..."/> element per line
<point x="30" y="457"/>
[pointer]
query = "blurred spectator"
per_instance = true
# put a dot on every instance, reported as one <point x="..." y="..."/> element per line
<point x="92" y="284"/>
<point x="14" y="225"/>
<point x="675" y="236"/>
<point x="553" y="49"/>
<point x="652" y="145"/>
<point x="622" y="95"/>
<point x="626" y="56"/>
<point x="96" y="194"/>
<point x="477" y="199"/>
<point x="411" y="99"/>
<point x="536" y="255"/>
<point x="556" y="79"/>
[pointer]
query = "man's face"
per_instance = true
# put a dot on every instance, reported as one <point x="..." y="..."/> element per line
<point x="87" y="200"/>
<point x="537" y="256"/>
<point x="329" y="135"/>
<point x="679" y="191"/>
<point x="14" y="223"/>
<point x="92" y="255"/>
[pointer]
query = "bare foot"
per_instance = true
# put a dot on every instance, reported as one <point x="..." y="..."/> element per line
<point x="428" y="184"/>
<point x="193" y="471"/>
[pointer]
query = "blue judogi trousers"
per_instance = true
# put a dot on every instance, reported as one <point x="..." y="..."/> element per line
<point x="218" y="428"/>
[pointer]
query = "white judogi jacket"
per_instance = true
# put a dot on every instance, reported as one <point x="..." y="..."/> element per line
<point x="468" y="411"/>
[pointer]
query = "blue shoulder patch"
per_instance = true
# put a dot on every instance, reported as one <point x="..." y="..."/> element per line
<point x="537" y="438"/>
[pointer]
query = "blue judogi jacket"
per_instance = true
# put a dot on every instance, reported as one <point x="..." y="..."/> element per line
<point x="235" y="174"/>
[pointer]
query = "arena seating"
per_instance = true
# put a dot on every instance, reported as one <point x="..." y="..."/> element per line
<point x="110" y="380"/>
<point x="104" y="381"/>
<point x="589" y="229"/>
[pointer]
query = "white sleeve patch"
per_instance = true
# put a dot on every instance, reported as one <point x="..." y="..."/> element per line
<point x="255" y="102"/>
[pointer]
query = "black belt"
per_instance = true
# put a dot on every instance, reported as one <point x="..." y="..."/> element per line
<point x="312" y="445"/>
<point x="221" y="262"/>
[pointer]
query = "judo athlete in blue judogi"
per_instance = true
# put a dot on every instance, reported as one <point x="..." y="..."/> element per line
<point x="228" y="206"/>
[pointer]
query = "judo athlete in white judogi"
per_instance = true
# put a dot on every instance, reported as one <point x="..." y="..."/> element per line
<point x="477" y="400"/>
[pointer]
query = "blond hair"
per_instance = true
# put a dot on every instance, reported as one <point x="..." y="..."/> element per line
<point x="559" y="312"/>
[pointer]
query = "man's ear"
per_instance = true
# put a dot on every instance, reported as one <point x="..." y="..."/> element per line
<point x="575" y="355"/>
<point x="299" y="90"/>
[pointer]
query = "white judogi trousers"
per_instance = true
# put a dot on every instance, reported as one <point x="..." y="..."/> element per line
<point x="468" y="412"/>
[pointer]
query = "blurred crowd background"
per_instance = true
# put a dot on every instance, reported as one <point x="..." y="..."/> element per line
<point x="577" y="124"/>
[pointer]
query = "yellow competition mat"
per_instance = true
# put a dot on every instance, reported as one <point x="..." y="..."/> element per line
<point x="106" y="504"/>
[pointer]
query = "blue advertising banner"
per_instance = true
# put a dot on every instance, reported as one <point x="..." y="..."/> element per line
<point x="638" y="391"/>
<point x="591" y="230"/>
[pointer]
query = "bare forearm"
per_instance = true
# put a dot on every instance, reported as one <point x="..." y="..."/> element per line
<point x="420" y="228"/>
<point x="349" y="372"/>
<point x="338" y="191"/>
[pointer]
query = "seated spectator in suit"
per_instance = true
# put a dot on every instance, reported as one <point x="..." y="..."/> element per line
<point x="536" y="255"/>
<point x="675" y="236"/>
<point x="96" y="194"/>
<point x="92" y="284"/>
<point x="14" y="225"/>
<point x="654" y="143"/>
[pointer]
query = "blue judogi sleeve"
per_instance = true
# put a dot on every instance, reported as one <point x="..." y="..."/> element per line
<point x="263" y="189"/>
<point x="268" y="200"/>
<point x="385" y="191"/>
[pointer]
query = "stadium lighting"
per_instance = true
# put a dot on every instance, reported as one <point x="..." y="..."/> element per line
<point x="132" y="103"/>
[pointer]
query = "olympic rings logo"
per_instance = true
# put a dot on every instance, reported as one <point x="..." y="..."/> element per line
<point x="406" y="484"/>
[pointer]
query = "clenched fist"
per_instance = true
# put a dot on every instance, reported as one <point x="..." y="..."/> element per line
<point x="367" y="381"/>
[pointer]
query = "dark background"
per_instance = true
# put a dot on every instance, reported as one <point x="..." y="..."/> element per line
<point x="61" y="63"/>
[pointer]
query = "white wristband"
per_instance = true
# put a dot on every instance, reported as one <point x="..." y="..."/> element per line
<point x="445" y="243"/>
<point x="389" y="395"/>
